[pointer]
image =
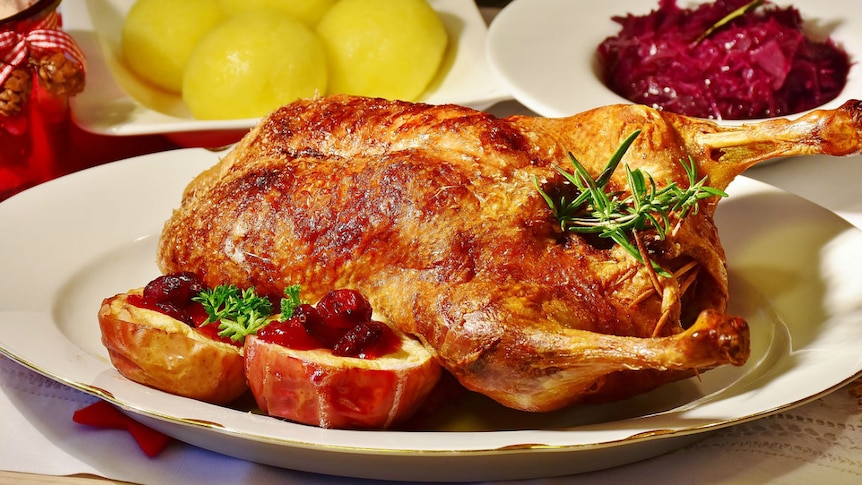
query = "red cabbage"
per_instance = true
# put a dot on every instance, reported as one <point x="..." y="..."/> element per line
<point x="760" y="65"/>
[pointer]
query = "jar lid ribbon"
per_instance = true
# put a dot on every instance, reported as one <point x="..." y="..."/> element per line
<point x="45" y="37"/>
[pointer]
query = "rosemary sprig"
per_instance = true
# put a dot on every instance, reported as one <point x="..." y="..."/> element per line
<point x="614" y="215"/>
<point x="748" y="7"/>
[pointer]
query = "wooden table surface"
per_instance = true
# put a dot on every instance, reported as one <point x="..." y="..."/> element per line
<point x="15" y="478"/>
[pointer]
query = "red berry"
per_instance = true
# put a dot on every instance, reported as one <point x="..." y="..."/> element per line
<point x="171" y="295"/>
<point x="314" y="324"/>
<point x="175" y="288"/>
<point x="344" y="308"/>
<point x="369" y="339"/>
<point x="341" y="322"/>
<point x="307" y="315"/>
<point x="357" y="338"/>
<point x="289" y="333"/>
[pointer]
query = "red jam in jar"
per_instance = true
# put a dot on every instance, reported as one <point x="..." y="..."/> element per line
<point x="41" y="66"/>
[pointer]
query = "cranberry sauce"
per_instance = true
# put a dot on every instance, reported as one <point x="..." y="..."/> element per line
<point x="172" y="295"/>
<point x="341" y="322"/>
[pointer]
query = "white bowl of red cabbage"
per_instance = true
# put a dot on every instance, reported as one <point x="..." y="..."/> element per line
<point x="782" y="58"/>
<point x="729" y="59"/>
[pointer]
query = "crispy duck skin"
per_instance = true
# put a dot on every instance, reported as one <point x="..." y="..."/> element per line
<point x="432" y="212"/>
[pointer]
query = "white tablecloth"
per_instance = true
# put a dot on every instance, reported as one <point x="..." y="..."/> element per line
<point x="820" y="442"/>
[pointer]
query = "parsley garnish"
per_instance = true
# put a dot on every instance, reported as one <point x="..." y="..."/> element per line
<point x="243" y="312"/>
<point x="239" y="312"/>
<point x="290" y="301"/>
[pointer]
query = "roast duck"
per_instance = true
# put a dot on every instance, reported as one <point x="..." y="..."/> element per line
<point x="435" y="214"/>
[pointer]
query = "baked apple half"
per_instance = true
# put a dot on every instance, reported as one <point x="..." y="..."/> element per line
<point x="160" y="351"/>
<point x="333" y="366"/>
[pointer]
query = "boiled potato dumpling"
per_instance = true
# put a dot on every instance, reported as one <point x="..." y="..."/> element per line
<point x="158" y="37"/>
<point x="385" y="48"/>
<point x="252" y="63"/>
<point x="309" y="11"/>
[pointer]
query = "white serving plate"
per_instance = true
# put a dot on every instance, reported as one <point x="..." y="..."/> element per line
<point x="115" y="102"/>
<point x="544" y="51"/>
<point x="796" y="276"/>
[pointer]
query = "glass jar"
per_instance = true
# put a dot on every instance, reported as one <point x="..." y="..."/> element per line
<point x="40" y="68"/>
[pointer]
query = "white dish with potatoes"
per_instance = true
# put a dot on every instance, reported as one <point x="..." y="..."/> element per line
<point x="115" y="102"/>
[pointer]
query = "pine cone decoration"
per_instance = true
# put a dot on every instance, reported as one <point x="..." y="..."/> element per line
<point x="59" y="75"/>
<point x="14" y="92"/>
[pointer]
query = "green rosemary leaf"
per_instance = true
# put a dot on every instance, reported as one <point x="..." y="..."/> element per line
<point x="615" y="159"/>
<point x="615" y="215"/>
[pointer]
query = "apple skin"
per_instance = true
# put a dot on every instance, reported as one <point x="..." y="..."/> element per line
<point x="159" y="351"/>
<point x="318" y="388"/>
